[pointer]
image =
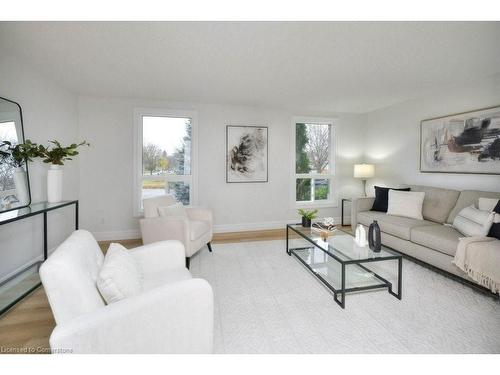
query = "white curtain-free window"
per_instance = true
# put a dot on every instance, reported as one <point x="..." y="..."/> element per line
<point x="165" y="155"/>
<point x="313" y="177"/>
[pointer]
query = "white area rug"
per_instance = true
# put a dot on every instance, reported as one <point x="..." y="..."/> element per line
<point x="267" y="302"/>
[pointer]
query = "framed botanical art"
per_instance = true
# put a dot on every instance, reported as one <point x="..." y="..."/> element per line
<point x="246" y="153"/>
<point x="466" y="142"/>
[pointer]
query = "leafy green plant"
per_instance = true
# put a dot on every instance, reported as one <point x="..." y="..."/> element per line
<point x="321" y="193"/>
<point x="309" y="215"/>
<point x="17" y="155"/>
<point x="57" y="154"/>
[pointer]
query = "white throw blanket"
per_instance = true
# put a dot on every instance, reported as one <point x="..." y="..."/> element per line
<point x="479" y="257"/>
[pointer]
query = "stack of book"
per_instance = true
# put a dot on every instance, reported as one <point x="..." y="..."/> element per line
<point x="320" y="226"/>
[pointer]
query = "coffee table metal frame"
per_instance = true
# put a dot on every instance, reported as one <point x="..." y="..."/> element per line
<point x="384" y="283"/>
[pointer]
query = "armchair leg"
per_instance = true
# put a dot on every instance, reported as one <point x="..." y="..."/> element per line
<point x="209" y="247"/>
<point x="187" y="262"/>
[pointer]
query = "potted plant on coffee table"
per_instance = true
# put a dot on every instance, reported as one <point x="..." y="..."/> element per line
<point x="307" y="217"/>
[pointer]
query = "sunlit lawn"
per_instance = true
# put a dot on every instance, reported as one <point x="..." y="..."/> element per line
<point x="153" y="184"/>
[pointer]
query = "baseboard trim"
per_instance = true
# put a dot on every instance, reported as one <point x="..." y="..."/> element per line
<point x="133" y="234"/>
<point x="243" y="227"/>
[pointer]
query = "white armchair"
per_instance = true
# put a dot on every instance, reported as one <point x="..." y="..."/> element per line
<point x="174" y="313"/>
<point x="194" y="232"/>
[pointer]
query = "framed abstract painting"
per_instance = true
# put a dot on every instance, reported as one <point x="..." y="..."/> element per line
<point x="246" y="153"/>
<point x="466" y="142"/>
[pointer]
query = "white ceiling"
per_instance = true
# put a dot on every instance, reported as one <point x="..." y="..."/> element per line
<point x="320" y="66"/>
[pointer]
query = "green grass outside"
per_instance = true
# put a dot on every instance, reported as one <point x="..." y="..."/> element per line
<point x="153" y="184"/>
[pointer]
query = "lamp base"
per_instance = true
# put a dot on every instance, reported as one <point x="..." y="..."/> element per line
<point x="364" y="188"/>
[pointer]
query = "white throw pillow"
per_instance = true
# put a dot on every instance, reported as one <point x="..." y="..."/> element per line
<point x="487" y="204"/>
<point x="120" y="276"/>
<point x="177" y="209"/>
<point x="473" y="222"/>
<point x="406" y="203"/>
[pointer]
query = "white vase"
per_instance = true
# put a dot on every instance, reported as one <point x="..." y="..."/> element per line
<point x="360" y="238"/>
<point x="21" y="184"/>
<point x="54" y="183"/>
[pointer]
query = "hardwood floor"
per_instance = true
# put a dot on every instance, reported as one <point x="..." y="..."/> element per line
<point x="27" y="326"/>
<point x="258" y="235"/>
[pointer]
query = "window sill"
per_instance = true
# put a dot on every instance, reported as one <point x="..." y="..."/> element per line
<point x="138" y="214"/>
<point x="326" y="204"/>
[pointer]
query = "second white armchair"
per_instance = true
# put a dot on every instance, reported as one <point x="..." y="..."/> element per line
<point x="194" y="230"/>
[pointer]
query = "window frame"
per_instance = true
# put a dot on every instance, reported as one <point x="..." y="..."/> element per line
<point x="333" y="201"/>
<point x="139" y="113"/>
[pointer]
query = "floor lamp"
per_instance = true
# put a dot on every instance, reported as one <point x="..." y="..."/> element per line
<point x="364" y="172"/>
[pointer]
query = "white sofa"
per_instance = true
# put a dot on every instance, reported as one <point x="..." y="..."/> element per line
<point x="174" y="314"/>
<point x="194" y="231"/>
<point x="432" y="240"/>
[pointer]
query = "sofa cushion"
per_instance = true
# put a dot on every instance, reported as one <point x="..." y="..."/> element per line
<point x="468" y="197"/>
<point x="487" y="204"/>
<point x="495" y="228"/>
<point x="198" y="228"/>
<point x="120" y="276"/>
<point x="438" y="202"/>
<point x="151" y="204"/>
<point x="473" y="222"/>
<point x="442" y="238"/>
<point x="406" y="204"/>
<point x="395" y="225"/>
<point x="176" y="209"/>
<point x="382" y="198"/>
<point x="163" y="278"/>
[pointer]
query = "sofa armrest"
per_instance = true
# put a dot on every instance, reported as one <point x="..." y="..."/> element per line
<point x="360" y="205"/>
<point x="175" y="318"/>
<point x="200" y="213"/>
<point x="160" y="256"/>
<point x="156" y="229"/>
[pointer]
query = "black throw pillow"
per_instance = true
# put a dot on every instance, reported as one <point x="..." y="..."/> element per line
<point x="382" y="198"/>
<point x="495" y="228"/>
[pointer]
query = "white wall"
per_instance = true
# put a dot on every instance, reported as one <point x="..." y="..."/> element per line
<point x="102" y="176"/>
<point x="106" y="172"/>
<point x="49" y="112"/>
<point x="392" y="137"/>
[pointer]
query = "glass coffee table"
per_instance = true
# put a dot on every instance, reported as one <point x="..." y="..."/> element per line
<point x="340" y="264"/>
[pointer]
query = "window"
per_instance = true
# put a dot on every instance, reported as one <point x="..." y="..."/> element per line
<point x="7" y="133"/>
<point x="313" y="162"/>
<point x="164" y="155"/>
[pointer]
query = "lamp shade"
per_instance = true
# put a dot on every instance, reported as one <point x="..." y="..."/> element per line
<point x="364" y="171"/>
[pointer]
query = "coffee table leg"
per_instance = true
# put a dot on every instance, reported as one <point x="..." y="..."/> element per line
<point x="400" y="278"/>
<point x="343" y="286"/>
<point x="399" y="294"/>
<point x="287" y="241"/>
<point x="342" y="290"/>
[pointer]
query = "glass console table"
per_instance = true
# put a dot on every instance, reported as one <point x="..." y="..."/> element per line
<point x="339" y="263"/>
<point x="23" y="282"/>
